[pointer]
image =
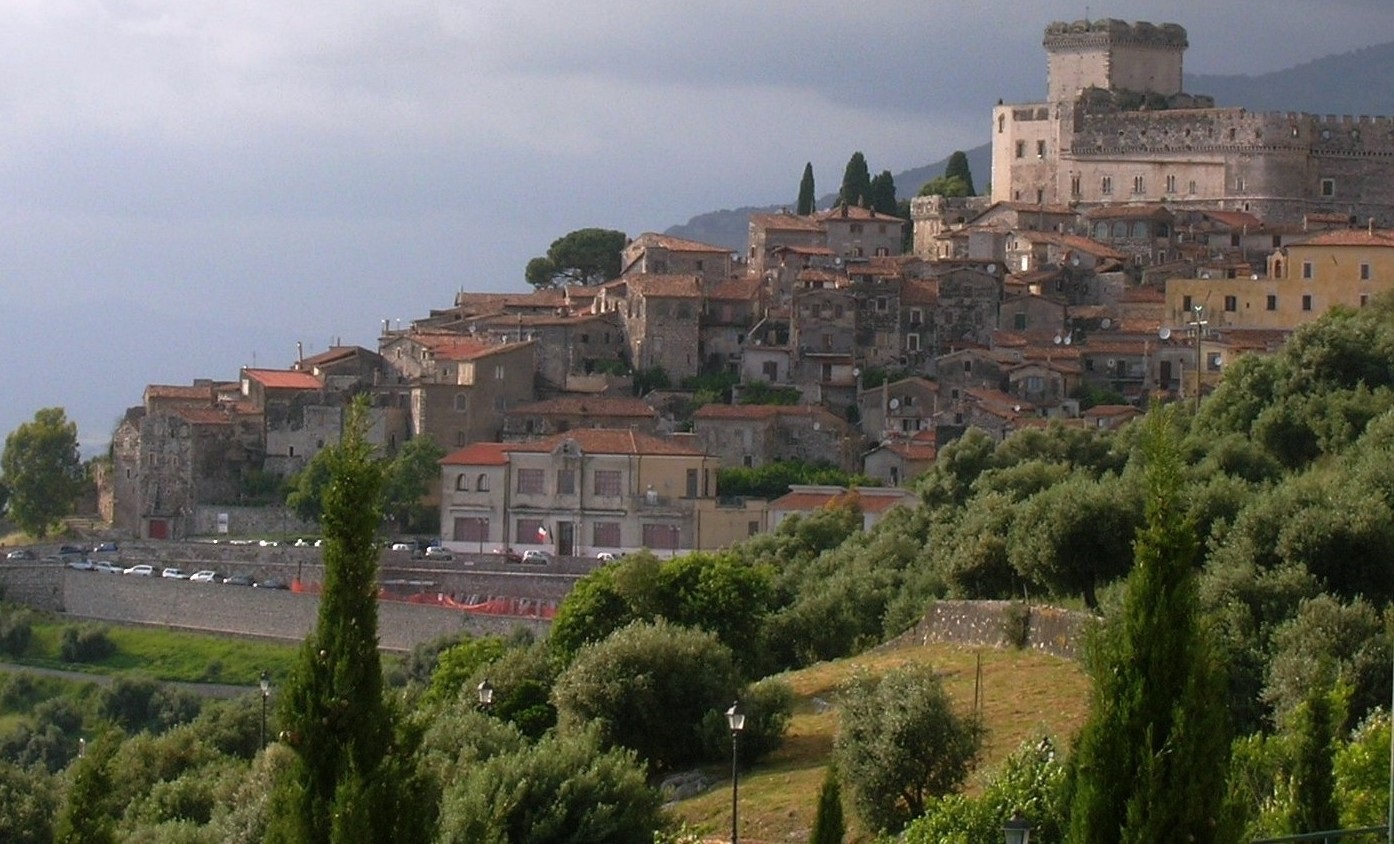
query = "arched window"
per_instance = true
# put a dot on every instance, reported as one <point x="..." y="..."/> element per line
<point x="461" y="483"/>
<point x="481" y="484"/>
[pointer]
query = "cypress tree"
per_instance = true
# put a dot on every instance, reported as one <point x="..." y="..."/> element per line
<point x="1313" y="774"/>
<point x="828" y="824"/>
<point x="1151" y="761"/>
<point x="882" y="198"/>
<point x="806" y="198"/>
<point x="958" y="167"/>
<point x="856" y="182"/>
<point x="348" y="781"/>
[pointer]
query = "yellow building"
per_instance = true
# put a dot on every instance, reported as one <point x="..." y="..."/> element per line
<point x="1342" y="267"/>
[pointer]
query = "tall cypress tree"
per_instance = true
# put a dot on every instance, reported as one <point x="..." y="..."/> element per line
<point x="882" y="196"/>
<point x="348" y="782"/>
<point x="856" y="182"/>
<point x="958" y="167"/>
<point x="828" y="824"/>
<point x="806" y="198"/>
<point x="1151" y="761"/>
<point x="1313" y="772"/>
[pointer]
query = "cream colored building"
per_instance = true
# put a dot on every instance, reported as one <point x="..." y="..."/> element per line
<point x="1342" y="267"/>
<point x="590" y="491"/>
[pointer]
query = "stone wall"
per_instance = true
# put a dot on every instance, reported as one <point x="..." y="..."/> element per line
<point x="1049" y="629"/>
<point x="37" y="584"/>
<point x="251" y="521"/>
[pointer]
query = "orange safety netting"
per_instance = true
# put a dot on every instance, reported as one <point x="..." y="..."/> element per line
<point x="493" y="605"/>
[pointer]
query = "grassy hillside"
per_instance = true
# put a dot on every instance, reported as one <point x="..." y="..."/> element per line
<point x="1025" y="695"/>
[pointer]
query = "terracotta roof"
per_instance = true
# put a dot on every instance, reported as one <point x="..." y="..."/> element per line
<point x="989" y="398"/>
<point x="589" y="405"/>
<point x="1097" y="345"/>
<point x="453" y="346"/>
<point x="919" y="292"/>
<point x="545" y="297"/>
<point x="609" y="441"/>
<point x="878" y="501"/>
<point x="1234" y="219"/>
<point x="806" y="250"/>
<point x="1143" y="294"/>
<point x="855" y="213"/>
<point x="478" y="454"/>
<point x="333" y="353"/>
<point x="737" y="289"/>
<point x="737" y="411"/>
<point x="910" y="450"/>
<point x="677" y="244"/>
<point x="1350" y="237"/>
<point x="284" y="379"/>
<point x="785" y="222"/>
<point x="180" y="392"/>
<point x="1111" y="411"/>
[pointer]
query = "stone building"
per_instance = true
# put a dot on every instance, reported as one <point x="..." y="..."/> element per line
<point x="662" y="254"/>
<point x="754" y="435"/>
<point x="661" y="318"/>
<point x="1116" y="127"/>
<point x="565" y="413"/>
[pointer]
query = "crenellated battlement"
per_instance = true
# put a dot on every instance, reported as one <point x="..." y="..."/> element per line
<point x="1101" y="34"/>
<point x="1229" y="130"/>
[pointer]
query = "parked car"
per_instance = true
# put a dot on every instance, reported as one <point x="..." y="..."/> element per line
<point x="608" y="556"/>
<point x="82" y="565"/>
<point x="107" y="567"/>
<point x="71" y="549"/>
<point x="21" y="554"/>
<point x="239" y="580"/>
<point x="404" y="546"/>
<point x="509" y="555"/>
<point x="105" y="548"/>
<point x="268" y="543"/>
<point x="205" y="576"/>
<point x="271" y="583"/>
<point x="537" y="557"/>
<point x="174" y="574"/>
<point x="439" y="552"/>
<point x="142" y="570"/>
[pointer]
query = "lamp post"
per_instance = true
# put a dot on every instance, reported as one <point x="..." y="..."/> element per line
<point x="486" y="695"/>
<point x="265" y="682"/>
<point x="1198" y="325"/>
<point x="735" y="719"/>
<point x="1017" y="829"/>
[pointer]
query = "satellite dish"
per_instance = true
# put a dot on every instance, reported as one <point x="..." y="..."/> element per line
<point x="992" y="269"/>
<point x="1074" y="260"/>
<point x="1069" y="338"/>
<point x="895" y="403"/>
<point x="1105" y="323"/>
<point x="1164" y="333"/>
<point x="1057" y="340"/>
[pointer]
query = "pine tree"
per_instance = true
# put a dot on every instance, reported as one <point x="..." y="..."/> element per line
<point x="806" y="198"/>
<point x="828" y="824"/>
<point x="1151" y="761"/>
<point x="958" y="168"/>
<point x="856" y="182"/>
<point x="348" y="782"/>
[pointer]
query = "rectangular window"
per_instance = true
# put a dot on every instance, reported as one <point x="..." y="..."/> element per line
<point x="529" y="532"/>
<point x="692" y="480"/>
<point x="1020" y="149"/>
<point x="1191" y="186"/>
<point x="1306" y="301"/>
<point x="912" y="342"/>
<point x="916" y="316"/>
<point x="566" y="482"/>
<point x="1272" y="304"/>
<point x="1231" y="303"/>
<point x="498" y="372"/>
<point x="607" y="482"/>
<point x="471" y="529"/>
<point x="605" y="534"/>
<point x="1171" y="184"/>
<point x="1137" y="184"/>
<point x="661" y="537"/>
<point x="1306" y="269"/>
<point x="1328" y="187"/>
<point x="1106" y="185"/>
<point x="1186" y="303"/>
<point x="1040" y="149"/>
<point x="530" y="481"/>
<point x="1364" y="272"/>
<point x="1019" y="321"/>
<point x="1364" y="299"/>
<point x="1074" y="186"/>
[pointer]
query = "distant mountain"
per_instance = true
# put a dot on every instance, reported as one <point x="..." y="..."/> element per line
<point x="1348" y="83"/>
<point x="731" y="228"/>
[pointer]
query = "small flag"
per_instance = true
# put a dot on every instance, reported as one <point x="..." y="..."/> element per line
<point x="542" y="532"/>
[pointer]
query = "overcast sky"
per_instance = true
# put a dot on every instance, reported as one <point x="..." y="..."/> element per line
<point x="191" y="186"/>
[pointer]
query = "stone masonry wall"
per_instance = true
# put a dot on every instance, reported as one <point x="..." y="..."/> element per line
<point x="1050" y="630"/>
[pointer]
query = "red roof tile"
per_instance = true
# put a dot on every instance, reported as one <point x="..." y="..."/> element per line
<point x="1350" y="237"/>
<point x="785" y="222"/>
<point x="284" y="379"/>
<point x="478" y="454"/>
<point x="203" y="392"/>
<point x="677" y="244"/>
<point x="609" y="441"/>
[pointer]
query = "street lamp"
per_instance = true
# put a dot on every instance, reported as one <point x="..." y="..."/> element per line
<point x="735" y="718"/>
<point x="486" y="694"/>
<point x="1017" y="829"/>
<point x="265" y="682"/>
<point x="1198" y="325"/>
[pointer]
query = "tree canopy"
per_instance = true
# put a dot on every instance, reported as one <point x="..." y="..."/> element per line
<point x="806" y="197"/>
<point x="584" y="256"/>
<point x="42" y="471"/>
<point x="856" y="182"/>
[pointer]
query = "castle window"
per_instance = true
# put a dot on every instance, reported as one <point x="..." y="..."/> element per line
<point x="1328" y="187"/>
<point x="1106" y="185"/>
<point x="1171" y="184"/>
<point x="1074" y="186"/>
<point x="1364" y="272"/>
<point x="1040" y="196"/>
<point x="1306" y="269"/>
<point x="1137" y="184"/>
<point x="1040" y="149"/>
<point x="1364" y="299"/>
<point x="1239" y="184"/>
<point x="1186" y="303"/>
<point x="1272" y="303"/>
<point x="481" y="483"/>
<point x="1191" y="186"/>
<point x="1306" y="301"/>
<point x="1231" y="303"/>
<point x="462" y="483"/>
<point x="1001" y="123"/>
<point x="1231" y="133"/>
<point x="912" y="342"/>
<point x="1020" y="149"/>
<point x="462" y="402"/>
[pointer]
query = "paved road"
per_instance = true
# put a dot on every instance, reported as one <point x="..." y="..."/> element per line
<point x="213" y="690"/>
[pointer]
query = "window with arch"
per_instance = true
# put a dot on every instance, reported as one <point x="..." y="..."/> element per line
<point x="462" y="483"/>
<point x="481" y="483"/>
<point x="462" y="402"/>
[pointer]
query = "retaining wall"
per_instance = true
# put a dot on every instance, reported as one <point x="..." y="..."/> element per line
<point x="1049" y="629"/>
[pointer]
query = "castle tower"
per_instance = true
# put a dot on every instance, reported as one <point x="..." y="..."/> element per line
<point x="1112" y="54"/>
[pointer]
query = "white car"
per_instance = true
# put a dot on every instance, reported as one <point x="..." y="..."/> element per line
<point x="536" y="557"/>
<point x="607" y="556"/>
<point x="174" y="574"/>
<point x="107" y="567"/>
<point x="403" y="546"/>
<point x="205" y="576"/>
<point x="142" y="570"/>
<point x="439" y="552"/>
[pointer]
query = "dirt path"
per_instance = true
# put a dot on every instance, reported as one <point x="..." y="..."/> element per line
<point x="212" y="690"/>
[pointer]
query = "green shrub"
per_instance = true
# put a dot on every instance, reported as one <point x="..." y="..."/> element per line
<point x="85" y="643"/>
<point x="1016" y="624"/>
<point x="15" y="631"/>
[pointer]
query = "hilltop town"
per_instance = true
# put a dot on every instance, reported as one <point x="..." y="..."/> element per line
<point x="1136" y="240"/>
